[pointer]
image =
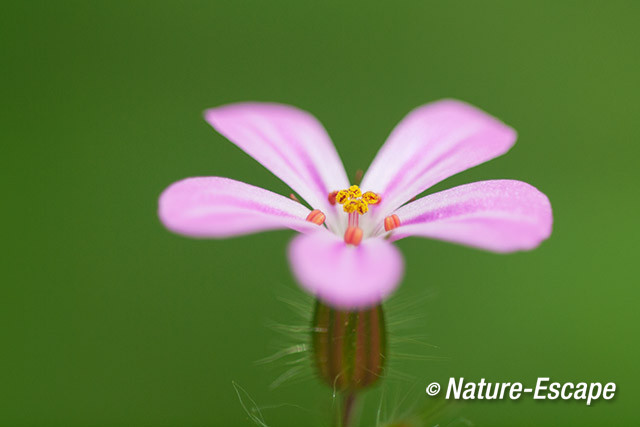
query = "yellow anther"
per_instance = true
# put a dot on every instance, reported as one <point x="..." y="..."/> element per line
<point x="356" y="205"/>
<point x="371" y="198"/>
<point x="351" y="206"/>
<point x="362" y="207"/>
<point x="342" y="196"/>
<point x="354" y="192"/>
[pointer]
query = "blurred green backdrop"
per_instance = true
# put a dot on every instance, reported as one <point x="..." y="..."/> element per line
<point x="108" y="319"/>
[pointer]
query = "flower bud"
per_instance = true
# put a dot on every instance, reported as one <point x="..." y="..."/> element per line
<point x="349" y="347"/>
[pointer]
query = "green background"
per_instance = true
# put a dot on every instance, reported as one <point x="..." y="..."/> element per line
<point x="108" y="319"/>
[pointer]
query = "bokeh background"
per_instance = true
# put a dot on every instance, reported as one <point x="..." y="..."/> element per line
<point x="108" y="320"/>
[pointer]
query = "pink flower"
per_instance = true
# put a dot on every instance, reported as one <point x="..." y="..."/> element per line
<point x="344" y="255"/>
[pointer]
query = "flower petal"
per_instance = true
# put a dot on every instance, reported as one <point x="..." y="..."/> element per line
<point x="289" y="142"/>
<point x="345" y="276"/>
<point x="498" y="215"/>
<point x="430" y="144"/>
<point x="221" y="207"/>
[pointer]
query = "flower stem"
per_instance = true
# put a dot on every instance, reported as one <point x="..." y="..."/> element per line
<point x="347" y="408"/>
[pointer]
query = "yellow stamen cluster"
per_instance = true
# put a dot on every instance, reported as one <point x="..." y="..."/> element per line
<point x="353" y="200"/>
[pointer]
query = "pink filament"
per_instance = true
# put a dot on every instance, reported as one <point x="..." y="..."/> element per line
<point x="353" y="219"/>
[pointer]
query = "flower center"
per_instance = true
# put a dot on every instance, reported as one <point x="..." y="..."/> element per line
<point x="355" y="203"/>
<point x="353" y="200"/>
